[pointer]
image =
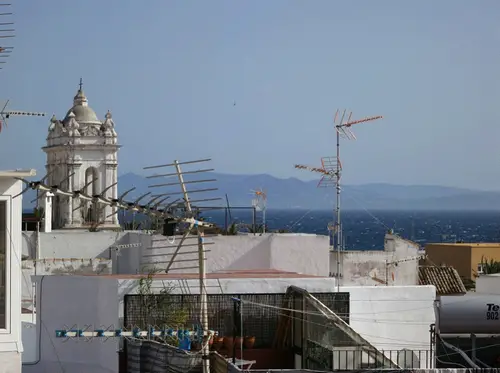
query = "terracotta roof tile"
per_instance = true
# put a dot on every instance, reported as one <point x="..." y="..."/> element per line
<point x="446" y="279"/>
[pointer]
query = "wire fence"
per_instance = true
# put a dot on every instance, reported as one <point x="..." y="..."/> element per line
<point x="254" y="320"/>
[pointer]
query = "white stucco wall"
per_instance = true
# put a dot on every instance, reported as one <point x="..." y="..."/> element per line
<point x="70" y="301"/>
<point x="301" y="253"/>
<point x="71" y="244"/>
<point x="393" y="265"/>
<point x="389" y="317"/>
<point x="488" y="284"/>
<point x="10" y="339"/>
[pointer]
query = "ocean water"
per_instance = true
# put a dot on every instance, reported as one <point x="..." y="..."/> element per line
<point x="365" y="231"/>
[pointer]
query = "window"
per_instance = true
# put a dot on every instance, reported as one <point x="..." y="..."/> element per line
<point x="3" y="264"/>
<point x="480" y="269"/>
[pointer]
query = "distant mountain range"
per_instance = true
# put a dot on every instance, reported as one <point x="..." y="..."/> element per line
<point x="293" y="193"/>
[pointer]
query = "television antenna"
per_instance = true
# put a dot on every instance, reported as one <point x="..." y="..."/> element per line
<point x="259" y="203"/>
<point x="6" y="114"/>
<point x="101" y="200"/>
<point x="6" y="32"/>
<point x="188" y="210"/>
<point x="331" y="171"/>
<point x="88" y="333"/>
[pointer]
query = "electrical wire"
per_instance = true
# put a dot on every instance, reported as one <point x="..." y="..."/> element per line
<point x="38" y="309"/>
<point x="400" y="342"/>
<point x="377" y="220"/>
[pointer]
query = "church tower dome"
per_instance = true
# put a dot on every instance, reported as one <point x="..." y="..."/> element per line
<point x="81" y="109"/>
<point x="82" y="154"/>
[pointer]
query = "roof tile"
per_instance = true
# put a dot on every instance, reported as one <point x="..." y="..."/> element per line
<point x="446" y="279"/>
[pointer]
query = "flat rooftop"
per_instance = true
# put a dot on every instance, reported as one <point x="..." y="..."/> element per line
<point x="244" y="273"/>
<point x="465" y="244"/>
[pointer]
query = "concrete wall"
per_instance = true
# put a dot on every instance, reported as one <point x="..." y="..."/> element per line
<point x="66" y="302"/>
<point x="71" y="244"/>
<point x="464" y="257"/>
<point x="10" y="336"/>
<point x="59" y="267"/>
<point x="302" y="253"/>
<point x="374" y="268"/>
<point x="488" y="284"/>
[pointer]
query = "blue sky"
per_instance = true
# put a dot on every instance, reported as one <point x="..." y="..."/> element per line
<point x="171" y="70"/>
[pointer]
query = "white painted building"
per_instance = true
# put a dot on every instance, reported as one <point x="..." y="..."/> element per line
<point x="392" y="318"/>
<point x="488" y="284"/>
<point x="396" y="264"/>
<point x="82" y="153"/>
<point x="11" y="346"/>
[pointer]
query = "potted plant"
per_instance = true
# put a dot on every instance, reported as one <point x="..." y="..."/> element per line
<point x="249" y="342"/>
<point x="218" y="343"/>
<point x="228" y="343"/>
<point x="238" y="341"/>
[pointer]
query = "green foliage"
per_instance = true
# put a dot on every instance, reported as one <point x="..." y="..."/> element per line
<point x="38" y="212"/>
<point x="158" y="308"/>
<point x="490" y="266"/>
<point x="469" y="284"/>
<point x="232" y="230"/>
<point x="257" y="229"/>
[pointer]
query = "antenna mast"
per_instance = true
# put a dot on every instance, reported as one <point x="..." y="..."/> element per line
<point x="6" y="32"/>
<point x="189" y="212"/>
<point x="331" y="171"/>
<point x="259" y="203"/>
<point x="6" y="114"/>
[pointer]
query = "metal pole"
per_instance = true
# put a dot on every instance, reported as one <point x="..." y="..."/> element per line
<point x="253" y="220"/>
<point x="264" y="220"/>
<point x="337" y="225"/>
<point x="386" y="272"/>
<point x="235" y="328"/>
<point x="201" y="257"/>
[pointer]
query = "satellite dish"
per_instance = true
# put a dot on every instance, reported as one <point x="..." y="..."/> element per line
<point x="407" y="359"/>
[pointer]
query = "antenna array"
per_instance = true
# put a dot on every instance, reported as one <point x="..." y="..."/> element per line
<point x="186" y="208"/>
<point x="259" y="203"/>
<point x="88" y="333"/>
<point x="6" y="114"/>
<point x="6" y="32"/>
<point x="331" y="171"/>
<point x="101" y="199"/>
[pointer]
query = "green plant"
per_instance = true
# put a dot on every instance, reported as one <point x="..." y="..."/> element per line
<point x="232" y="230"/>
<point x="159" y="308"/>
<point x="490" y="266"/>
<point x="38" y="212"/>
<point x="257" y="229"/>
<point x="469" y="284"/>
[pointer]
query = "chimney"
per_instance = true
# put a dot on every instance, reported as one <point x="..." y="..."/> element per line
<point x="47" y="209"/>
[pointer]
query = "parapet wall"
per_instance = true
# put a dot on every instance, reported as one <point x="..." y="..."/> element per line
<point x="301" y="253"/>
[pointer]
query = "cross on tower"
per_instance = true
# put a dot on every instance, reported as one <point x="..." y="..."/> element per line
<point x="81" y="84"/>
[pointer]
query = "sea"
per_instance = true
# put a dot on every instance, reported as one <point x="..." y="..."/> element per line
<point x="365" y="230"/>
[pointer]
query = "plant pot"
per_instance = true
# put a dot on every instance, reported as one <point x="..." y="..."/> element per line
<point x="228" y="343"/>
<point x="238" y="341"/>
<point x="249" y="342"/>
<point x="218" y="343"/>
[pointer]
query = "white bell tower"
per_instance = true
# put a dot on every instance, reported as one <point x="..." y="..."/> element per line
<point x="83" y="145"/>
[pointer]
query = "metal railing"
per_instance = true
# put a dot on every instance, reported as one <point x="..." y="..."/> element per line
<point x="353" y="358"/>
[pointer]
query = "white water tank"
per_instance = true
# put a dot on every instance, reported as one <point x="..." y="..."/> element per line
<point x="471" y="313"/>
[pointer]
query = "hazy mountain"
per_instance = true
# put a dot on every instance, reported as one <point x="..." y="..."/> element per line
<point x="295" y="193"/>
